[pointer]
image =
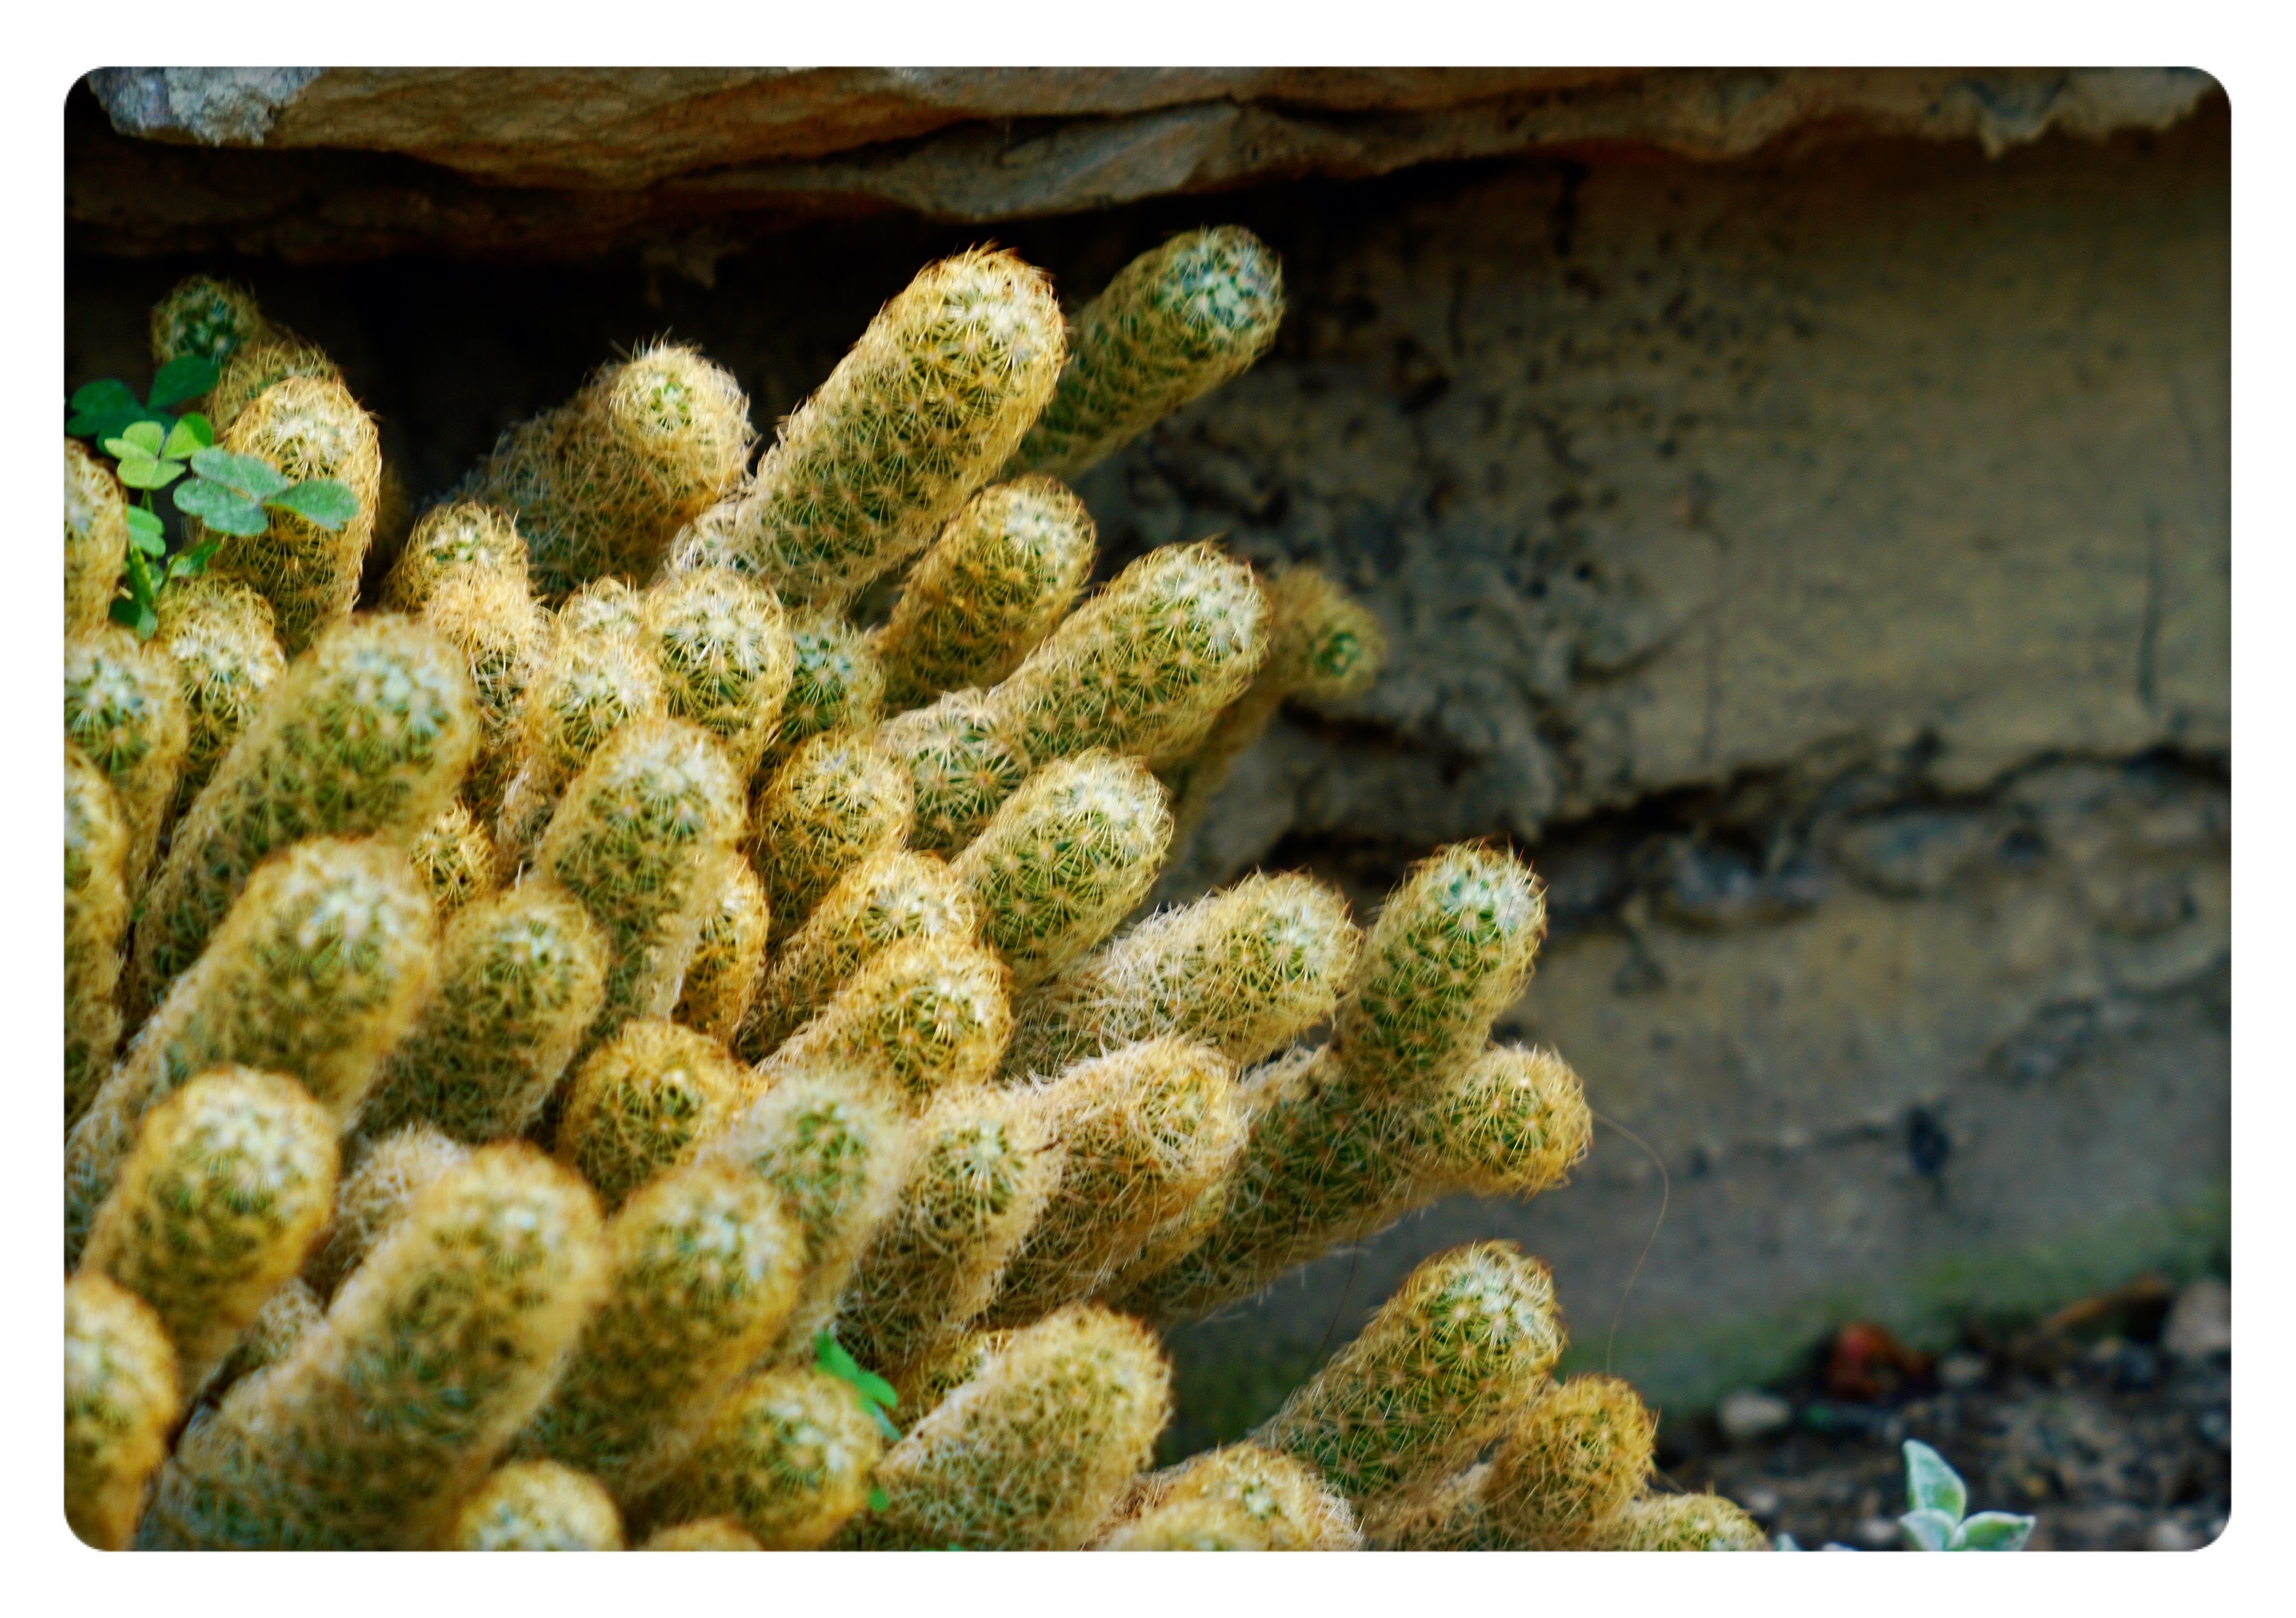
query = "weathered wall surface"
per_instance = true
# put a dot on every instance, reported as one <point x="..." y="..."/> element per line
<point x="1816" y="563"/>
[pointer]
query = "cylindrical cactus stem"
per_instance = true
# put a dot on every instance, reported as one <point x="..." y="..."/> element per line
<point x="703" y="1533"/>
<point x="704" y="1272"/>
<point x="96" y="540"/>
<point x="1237" y="1498"/>
<point x="227" y="659"/>
<point x="840" y="799"/>
<point x="367" y="733"/>
<point x="788" y="1456"/>
<point x="589" y="686"/>
<point x="272" y="1335"/>
<point x="611" y="607"/>
<point x="1448" y="1362"/>
<point x="722" y="643"/>
<point x="1175" y="323"/>
<point x="922" y="412"/>
<point x="996" y="580"/>
<point x="924" y="1015"/>
<point x="1678" y="1522"/>
<point x="124" y="709"/>
<point x="962" y="761"/>
<point x="1581" y="1451"/>
<point x="889" y="897"/>
<point x="836" y="684"/>
<point x="436" y="1350"/>
<point x="1058" y="867"/>
<point x="95" y="920"/>
<point x="1034" y="1450"/>
<point x="535" y="1506"/>
<point x="1513" y="1122"/>
<point x="834" y="1143"/>
<point x="204" y="317"/>
<point x="229" y="1185"/>
<point x="1147" y="665"/>
<point x="263" y="363"/>
<point x="448" y="538"/>
<point x="641" y="1100"/>
<point x="121" y="1398"/>
<point x="381" y="1185"/>
<point x="1146" y="1128"/>
<point x="986" y="1165"/>
<point x="505" y="640"/>
<point x="729" y="964"/>
<point x="522" y="976"/>
<point x="316" y="973"/>
<point x="600" y="484"/>
<point x="1443" y="1514"/>
<point x="638" y="840"/>
<point x="305" y="427"/>
<point x="1246" y="971"/>
<point x="1320" y="646"/>
<point x="456" y="861"/>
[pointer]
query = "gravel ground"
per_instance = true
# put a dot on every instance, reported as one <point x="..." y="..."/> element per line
<point x="2110" y="1422"/>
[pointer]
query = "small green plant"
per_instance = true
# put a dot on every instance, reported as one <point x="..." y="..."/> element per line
<point x="1936" y="1502"/>
<point x="230" y="494"/>
<point x="876" y="1395"/>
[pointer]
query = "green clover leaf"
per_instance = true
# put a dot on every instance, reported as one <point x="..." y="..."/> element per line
<point x="245" y="475"/>
<point x="189" y="436"/>
<point x="322" y="502"/>
<point x="222" y="508"/>
<point x="185" y="377"/>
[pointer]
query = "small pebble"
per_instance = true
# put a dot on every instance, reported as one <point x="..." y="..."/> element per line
<point x="1762" y="1504"/>
<point x="2168" y="1534"/>
<point x="2216" y="1426"/>
<point x="1878" y="1533"/>
<point x="1963" y="1370"/>
<point x="2200" y="1321"/>
<point x="1749" y="1414"/>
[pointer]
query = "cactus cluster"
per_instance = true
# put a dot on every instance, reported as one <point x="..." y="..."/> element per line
<point x="619" y="1051"/>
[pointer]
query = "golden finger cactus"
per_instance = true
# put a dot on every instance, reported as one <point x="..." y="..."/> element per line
<point x="121" y="1396"/>
<point x="506" y="641"/>
<point x="433" y="1355"/>
<point x="124" y="710"/>
<point x="836" y="682"/>
<point x="703" y="1533"/>
<point x="919" y="414"/>
<point x="638" y="839"/>
<point x="1146" y="1128"/>
<point x="591" y="684"/>
<point x="600" y="484"/>
<point x="1246" y="971"/>
<point x="1147" y="665"/>
<point x="446" y="539"/>
<point x="522" y="976"/>
<point x="1513" y="1122"/>
<point x="96" y="540"/>
<point x="729" y="964"/>
<point x="999" y="576"/>
<point x="1463" y="1346"/>
<point x="1322" y="646"/>
<point x="722" y="646"/>
<point x="456" y="861"/>
<point x="1034" y="1449"/>
<point x="788" y="1457"/>
<point x="384" y="1181"/>
<point x="1237" y="1498"/>
<point x="203" y="317"/>
<point x="219" y="636"/>
<point x="704" y="1274"/>
<point x="1062" y="862"/>
<point x="1582" y="1451"/>
<point x="838" y="799"/>
<point x="641" y="1100"/>
<point x="1176" y="323"/>
<point x="1678" y="1522"/>
<point x="535" y="1506"/>
<point x="272" y="1335"/>
<point x="962" y="761"/>
<point x="923" y="1016"/>
<point x="833" y="1143"/>
<point x="986" y="1165"/>
<point x="316" y="973"/>
<point x="95" y="920"/>
<point x="889" y="897"/>
<point x="258" y="365"/>
<point x="305" y="427"/>
<point x="369" y="732"/>
<point x="231" y="1181"/>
